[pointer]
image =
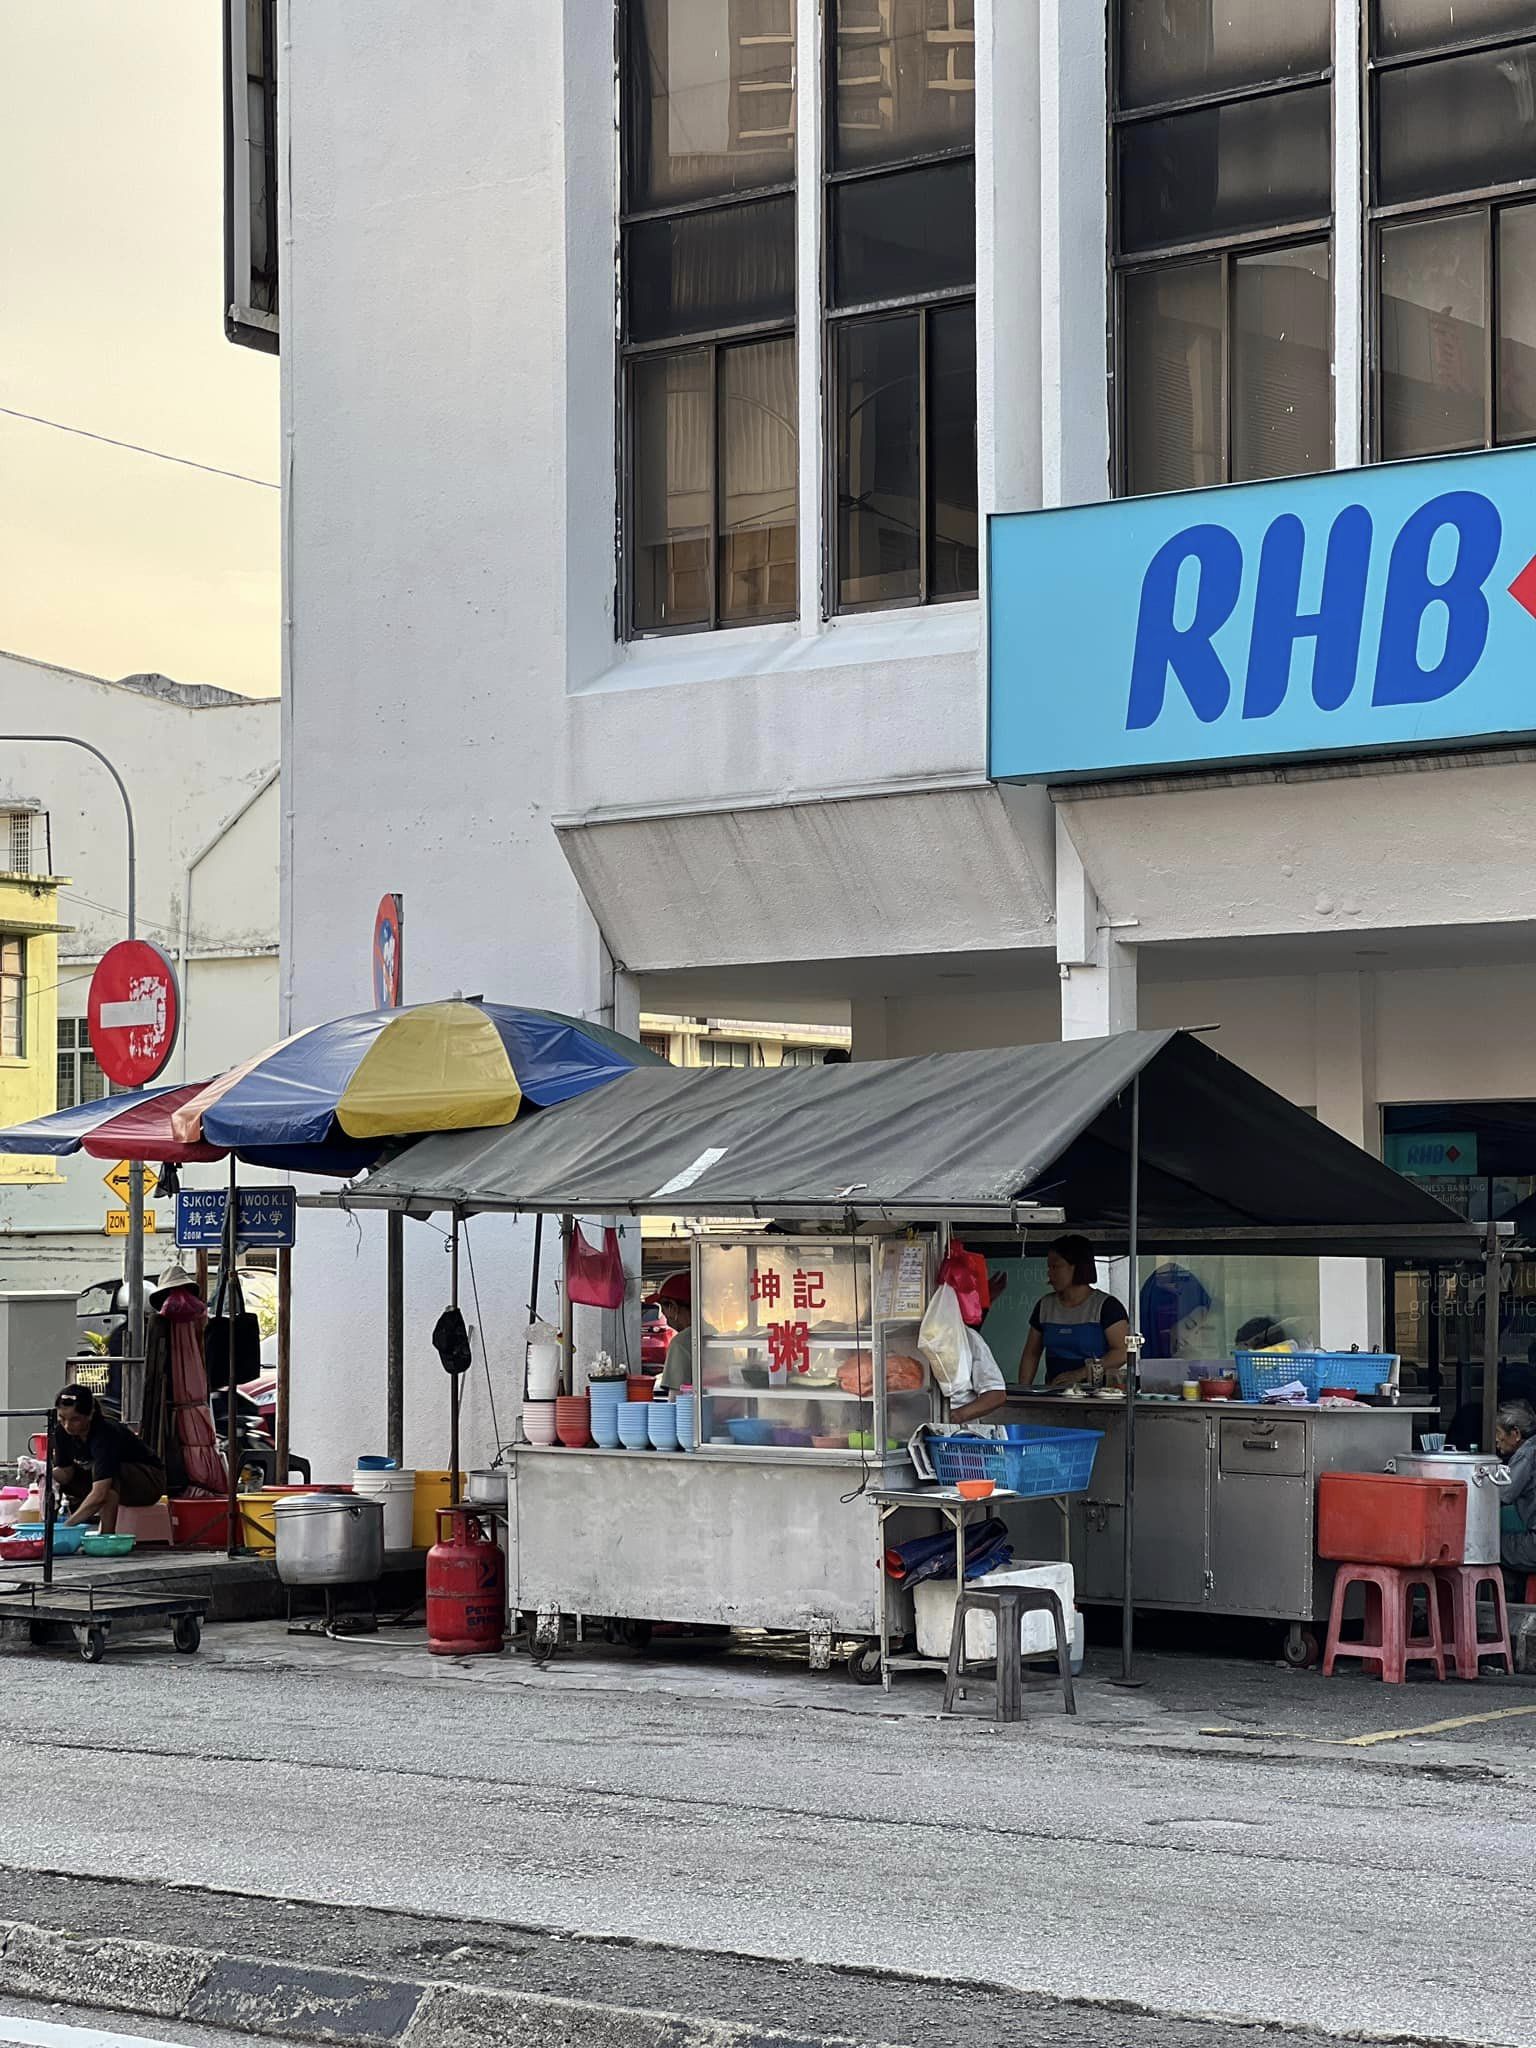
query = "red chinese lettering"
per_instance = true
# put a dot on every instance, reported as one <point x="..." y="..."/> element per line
<point x="810" y="1290"/>
<point x="789" y="1346"/>
<point x="766" y="1286"/>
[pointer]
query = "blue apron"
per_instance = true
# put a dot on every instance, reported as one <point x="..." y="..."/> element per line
<point x="1070" y="1345"/>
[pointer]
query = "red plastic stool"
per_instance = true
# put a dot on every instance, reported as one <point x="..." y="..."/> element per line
<point x="1388" y="1643"/>
<point x="1459" y="1586"/>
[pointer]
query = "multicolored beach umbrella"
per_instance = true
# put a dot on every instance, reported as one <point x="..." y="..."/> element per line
<point x="137" y="1125"/>
<point x="451" y="1066"/>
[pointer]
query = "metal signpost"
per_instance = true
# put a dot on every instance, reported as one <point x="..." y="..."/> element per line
<point x="389" y="994"/>
<point x="133" y="1015"/>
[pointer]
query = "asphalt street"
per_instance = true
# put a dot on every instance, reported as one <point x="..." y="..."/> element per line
<point x="1125" y="1859"/>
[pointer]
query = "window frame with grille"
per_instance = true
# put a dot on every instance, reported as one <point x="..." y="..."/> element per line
<point x="920" y="308"/>
<point x="713" y="341"/>
<point x="251" y="305"/>
<point x="1225" y="247"/>
<point x="75" y="1059"/>
<point x="13" y="996"/>
<point x="1484" y="203"/>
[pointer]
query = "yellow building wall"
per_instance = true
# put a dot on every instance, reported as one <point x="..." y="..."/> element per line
<point x="29" y="1085"/>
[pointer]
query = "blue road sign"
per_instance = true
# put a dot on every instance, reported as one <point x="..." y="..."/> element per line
<point x="1384" y="608"/>
<point x="266" y="1216"/>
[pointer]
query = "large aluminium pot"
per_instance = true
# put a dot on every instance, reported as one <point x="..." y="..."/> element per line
<point x="487" y="1489"/>
<point x="1485" y="1478"/>
<point x="329" y="1539"/>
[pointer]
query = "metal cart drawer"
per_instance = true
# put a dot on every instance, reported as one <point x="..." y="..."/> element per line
<point x="1276" y="1448"/>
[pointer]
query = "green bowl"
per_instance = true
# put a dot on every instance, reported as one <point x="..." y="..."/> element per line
<point x="107" y="1546"/>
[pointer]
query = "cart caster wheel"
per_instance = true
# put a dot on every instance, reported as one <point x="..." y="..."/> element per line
<point x="634" y="1635"/>
<point x="93" y="1645"/>
<point x="864" y="1664"/>
<point x="544" y="1640"/>
<point x="186" y="1634"/>
<point x="1302" y="1648"/>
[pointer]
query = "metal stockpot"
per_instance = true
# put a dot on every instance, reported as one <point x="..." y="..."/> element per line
<point x="329" y="1539"/>
<point x="1485" y="1478"/>
<point x="487" y="1489"/>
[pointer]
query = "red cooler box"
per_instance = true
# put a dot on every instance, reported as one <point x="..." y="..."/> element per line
<point x="1379" y="1518"/>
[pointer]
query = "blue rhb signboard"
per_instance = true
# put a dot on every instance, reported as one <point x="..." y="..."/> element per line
<point x="265" y="1216"/>
<point x="1368" y="609"/>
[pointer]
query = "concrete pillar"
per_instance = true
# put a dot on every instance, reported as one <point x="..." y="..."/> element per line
<point x="869" y="1021"/>
<point x="1098" y="970"/>
<point x="1349" y="1290"/>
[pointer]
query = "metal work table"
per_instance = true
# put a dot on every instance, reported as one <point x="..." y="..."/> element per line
<point x="943" y="1501"/>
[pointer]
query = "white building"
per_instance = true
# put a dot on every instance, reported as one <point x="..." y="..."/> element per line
<point x="201" y="768"/>
<point x="737" y="764"/>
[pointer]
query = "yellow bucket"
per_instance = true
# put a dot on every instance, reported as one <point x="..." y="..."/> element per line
<point x="432" y="1492"/>
<point x="258" y="1519"/>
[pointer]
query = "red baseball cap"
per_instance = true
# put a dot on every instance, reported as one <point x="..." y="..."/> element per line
<point x="677" y="1287"/>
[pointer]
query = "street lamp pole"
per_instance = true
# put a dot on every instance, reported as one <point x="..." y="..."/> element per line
<point x="133" y="1264"/>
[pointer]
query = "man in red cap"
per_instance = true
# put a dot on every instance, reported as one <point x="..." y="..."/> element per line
<point x="676" y="1297"/>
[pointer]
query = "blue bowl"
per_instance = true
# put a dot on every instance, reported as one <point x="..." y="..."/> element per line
<point x="662" y="1423"/>
<point x="748" y="1429"/>
<point x="684" y="1409"/>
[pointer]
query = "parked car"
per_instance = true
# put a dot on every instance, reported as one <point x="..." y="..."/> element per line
<point x="656" y="1333"/>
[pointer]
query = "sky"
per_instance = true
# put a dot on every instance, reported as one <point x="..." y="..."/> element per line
<point x="111" y="319"/>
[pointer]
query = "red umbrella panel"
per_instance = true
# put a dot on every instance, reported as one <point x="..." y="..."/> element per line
<point x="143" y="1131"/>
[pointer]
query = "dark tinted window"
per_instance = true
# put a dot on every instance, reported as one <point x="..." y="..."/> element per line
<point x="759" y="481"/>
<point x="1282" y="354"/>
<point x="878" y="460"/>
<point x="1517" y="323"/>
<point x="672" y="433"/>
<point x="1171" y="345"/>
<point x="1434" y="335"/>
<point x="1403" y="26"/>
<point x="1456" y="124"/>
<point x="905" y="79"/>
<point x="907" y="233"/>
<point x="1221" y="171"/>
<point x="729" y="267"/>
<point x="1185" y="49"/>
<point x="954" y="568"/>
<point x="710" y="98"/>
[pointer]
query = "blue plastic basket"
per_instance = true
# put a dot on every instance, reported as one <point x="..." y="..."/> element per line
<point x="1362" y="1372"/>
<point x="1038" y="1462"/>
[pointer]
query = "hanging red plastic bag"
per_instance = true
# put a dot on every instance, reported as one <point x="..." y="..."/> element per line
<point x="966" y="1272"/>
<point x="594" y="1275"/>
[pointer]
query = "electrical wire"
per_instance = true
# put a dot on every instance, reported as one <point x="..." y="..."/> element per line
<point x="137" y="448"/>
<point x="485" y="1356"/>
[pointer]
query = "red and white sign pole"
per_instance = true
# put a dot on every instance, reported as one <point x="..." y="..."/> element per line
<point x="133" y="1016"/>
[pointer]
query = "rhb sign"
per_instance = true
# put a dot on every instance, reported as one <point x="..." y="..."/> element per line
<point x="1358" y="611"/>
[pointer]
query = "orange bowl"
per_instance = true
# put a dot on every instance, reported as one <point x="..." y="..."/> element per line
<point x="975" y="1489"/>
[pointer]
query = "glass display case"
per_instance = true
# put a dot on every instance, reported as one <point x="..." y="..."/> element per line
<point x="810" y="1343"/>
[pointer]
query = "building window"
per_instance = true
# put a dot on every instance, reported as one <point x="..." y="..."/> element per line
<point x="708" y="290"/>
<point x="1221" y="236"/>
<point x="1453" y="168"/>
<point x="79" y="1077"/>
<point x="726" y="1052"/>
<point x="900" y="227"/>
<point x="13" y="998"/>
<point x="250" y="173"/>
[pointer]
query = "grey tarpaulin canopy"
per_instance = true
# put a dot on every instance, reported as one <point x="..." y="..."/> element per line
<point x="1148" y="1139"/>
<point x="949" y="1135"/>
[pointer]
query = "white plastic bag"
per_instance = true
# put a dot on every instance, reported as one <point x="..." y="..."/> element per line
<point x="943" y="1341"/>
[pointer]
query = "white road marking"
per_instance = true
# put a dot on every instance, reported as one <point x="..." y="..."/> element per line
<point x="48" y="2034"/>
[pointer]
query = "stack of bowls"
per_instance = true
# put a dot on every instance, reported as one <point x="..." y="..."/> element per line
<point x="686" y="1437"/>
<point x="662" y="1424"/>
<point x="573" y="1421"/>
<point x="605" y="1396"/>
<point x="539" y="1421"/>
<point x="634" y="1435"/>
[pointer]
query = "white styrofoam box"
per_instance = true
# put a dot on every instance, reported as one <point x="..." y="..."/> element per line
<point x="933" y="1602"/>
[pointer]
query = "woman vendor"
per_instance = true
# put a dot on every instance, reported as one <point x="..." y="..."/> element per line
<point x="1079" y="1329"/>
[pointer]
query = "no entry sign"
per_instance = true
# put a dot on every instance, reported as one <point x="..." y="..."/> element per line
<point x="135" y="1009"/>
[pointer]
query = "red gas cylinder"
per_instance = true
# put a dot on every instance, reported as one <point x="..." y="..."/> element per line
<point x="466" y="1588"/>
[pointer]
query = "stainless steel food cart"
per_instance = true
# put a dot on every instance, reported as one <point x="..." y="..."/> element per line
<point x="1226" y="1503"/>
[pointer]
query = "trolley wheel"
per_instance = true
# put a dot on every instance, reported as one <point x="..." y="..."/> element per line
<point x="93" y="1645"/>
<point x="544" y="1640"/>
<point x="634" y="1635"/>
<point x="864" y="1664"/>
<point x="186" y="1634"/>
<point x="1302" y="1648"/>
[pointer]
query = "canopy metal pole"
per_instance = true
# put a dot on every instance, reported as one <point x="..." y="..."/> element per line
<point x="1132" y="1373"/>
<point x="284" y="1362"/>
<point x="533" y="1287"/>
<point x="229" y="1288"/>
<point x="394" y="1340"/>
<point x="1491" y="1290"/>
<point x="454" y="1379"/>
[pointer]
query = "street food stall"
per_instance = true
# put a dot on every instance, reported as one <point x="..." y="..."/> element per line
<point x="1148" y="1141"/>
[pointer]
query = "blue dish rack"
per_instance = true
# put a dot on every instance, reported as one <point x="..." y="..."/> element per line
<point x="1362" y="1372"/>
<point x="1037" y="1462"/>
